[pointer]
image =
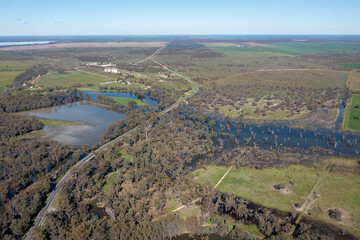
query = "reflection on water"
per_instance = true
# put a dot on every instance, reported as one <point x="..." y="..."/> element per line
<point x="23" y="43"/>
<point x="94" y="120"/>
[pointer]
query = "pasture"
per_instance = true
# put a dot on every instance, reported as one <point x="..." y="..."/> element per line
<point x="53" y="79"/>
<point x="125" y="101"/>
<point x="258" y="185"/>
<point x="338" y="188"/>
<point x="352" y="111"/>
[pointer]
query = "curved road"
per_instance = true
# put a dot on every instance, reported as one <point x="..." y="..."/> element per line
<point x="40" y="219"/>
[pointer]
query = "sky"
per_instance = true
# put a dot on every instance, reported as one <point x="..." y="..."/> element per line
<point x="174" y="17"/>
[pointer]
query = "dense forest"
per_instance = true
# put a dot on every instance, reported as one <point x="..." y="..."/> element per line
<point x="29" y="74"/>
<point x="12" y="126"/>
<point x="17" y="102"/>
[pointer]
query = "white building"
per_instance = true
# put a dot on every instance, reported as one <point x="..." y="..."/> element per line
<point x="111" y="70"/>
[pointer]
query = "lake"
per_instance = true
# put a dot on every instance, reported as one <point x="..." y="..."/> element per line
<point x="3" y="44"/>
<point x="94" y="119"/>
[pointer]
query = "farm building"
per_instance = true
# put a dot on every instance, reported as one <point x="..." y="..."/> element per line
<point x="111" y="70"/>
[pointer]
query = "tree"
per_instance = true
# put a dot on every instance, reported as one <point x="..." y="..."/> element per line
<point x="132" y="104"/>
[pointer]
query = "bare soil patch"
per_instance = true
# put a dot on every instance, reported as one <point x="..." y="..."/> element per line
<point x="258" y="44"/>
<point x="345" y="218"/>
<point x="85" y="45"/>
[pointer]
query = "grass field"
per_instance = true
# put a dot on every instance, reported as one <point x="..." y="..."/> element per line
<point x="312" y="79"/>
<point x="351" y="112"/>
<point x="35" y="134"/>
<point x="54" y="79"/>
<point x="6" y="78"/>
<point x="230" y="111"/>
<point x="52" y="122"/>
<point x="338" y="189"/>
<point x="258" y="185"/>
<point x="20" y="65"/>
<point x="125" y="101"/>
<point x="355" y="80"/>
<point x="342" y="191"/>
<point x="350" y="65"/>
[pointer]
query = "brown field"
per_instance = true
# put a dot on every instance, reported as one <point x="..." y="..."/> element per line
<point x="85" y="45"/>
<point x="258" y="44"/>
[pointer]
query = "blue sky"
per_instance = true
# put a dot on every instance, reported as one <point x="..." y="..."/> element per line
<point x="108" y="17"/>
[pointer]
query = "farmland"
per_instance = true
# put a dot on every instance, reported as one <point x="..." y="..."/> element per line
<point x="68" y="79"/>
<point x="352" y="111"/>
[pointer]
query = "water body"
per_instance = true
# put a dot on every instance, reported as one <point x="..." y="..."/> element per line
<point x="147" y="99"/>
<point x="273" y="136"/>
<point x="93" y="119"/>
<point x="3" y="44"/>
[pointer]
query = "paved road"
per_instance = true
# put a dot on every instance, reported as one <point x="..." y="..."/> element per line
<point x="40" y="219"/>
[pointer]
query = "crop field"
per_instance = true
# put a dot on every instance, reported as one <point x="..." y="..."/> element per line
<point x="72" y="77"/>
<point x="352" y="111"/>
<point x="338" y="189"/>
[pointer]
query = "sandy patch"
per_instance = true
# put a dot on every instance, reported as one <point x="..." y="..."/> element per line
<point x="85" y="45"/>
<point x="345" y="216"/>
<point x="161" y="81"/>
<point x="284" y="191"/>
<point x="258" y="44"/>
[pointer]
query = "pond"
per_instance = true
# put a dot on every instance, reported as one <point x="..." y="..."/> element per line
<point x="93" y="118"/>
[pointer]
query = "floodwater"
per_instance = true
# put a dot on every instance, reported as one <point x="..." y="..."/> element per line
<point x="93" y="119"/>
<point x="3" y="44"/>
<point x="146" y="99"/>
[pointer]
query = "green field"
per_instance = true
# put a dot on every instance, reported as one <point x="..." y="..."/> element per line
<point x="351" y="111"/>
<point x="30" y="135"/>
<point x="350" y="65"/>
<point x="338" y="188"/>
<point x="72" y="77"/>
<point x="230" y="111"/>
<point x="339" y="191"/>
<point x="6" y="77"/>
<point x="125" y="101"/>
<point x="20" y="65"/>
<point x="52" y="122"/>
<point x="258" y="185"/>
